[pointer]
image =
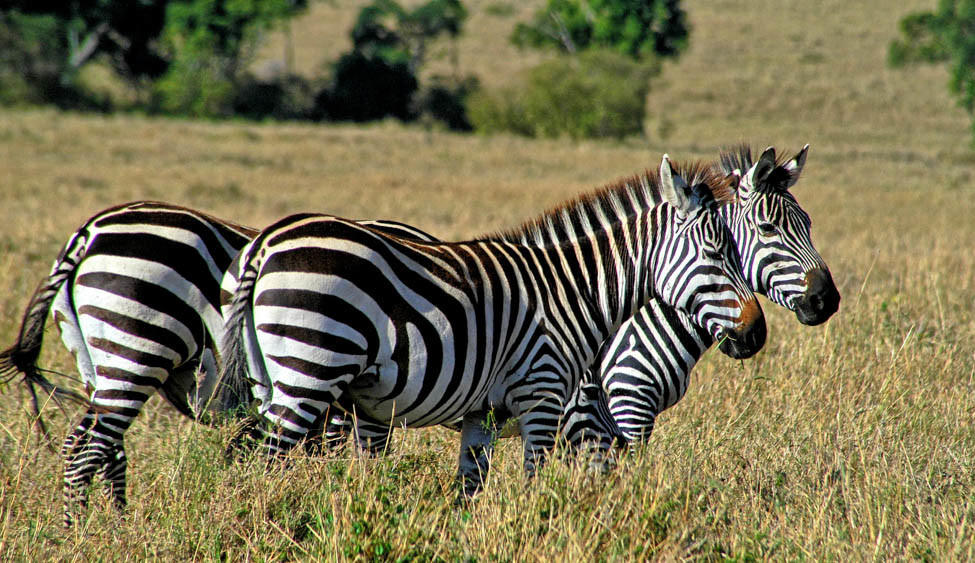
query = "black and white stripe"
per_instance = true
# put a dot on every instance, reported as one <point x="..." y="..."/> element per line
<point x="402" y="332"/>
<point x="645" y="367"/>
<point x="135" y="293"/>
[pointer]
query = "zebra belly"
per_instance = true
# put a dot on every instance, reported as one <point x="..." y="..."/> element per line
<point x="407" y="389"/>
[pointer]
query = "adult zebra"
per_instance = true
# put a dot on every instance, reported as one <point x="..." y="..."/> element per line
<point x="416" y="334"/>
<point x="645" y="366"/>
<point x="135" y="293"/>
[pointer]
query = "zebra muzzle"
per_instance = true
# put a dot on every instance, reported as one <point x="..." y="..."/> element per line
<point x="746" y="339"/>
<point x="820" y="300"/>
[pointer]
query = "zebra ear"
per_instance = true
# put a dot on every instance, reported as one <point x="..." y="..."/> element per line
<point x="674" y="188"/>
<point x="794" y="166"/>
<point x="759" y="172"/>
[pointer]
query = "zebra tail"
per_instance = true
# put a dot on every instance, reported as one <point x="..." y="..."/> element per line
<point x="21" y="358"/>
<point x="234" y="383"/>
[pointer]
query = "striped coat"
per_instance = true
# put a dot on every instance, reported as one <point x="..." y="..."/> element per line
<point x="408" y="333"/>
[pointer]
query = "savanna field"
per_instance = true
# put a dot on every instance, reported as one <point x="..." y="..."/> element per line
<point x="854" y="440"/>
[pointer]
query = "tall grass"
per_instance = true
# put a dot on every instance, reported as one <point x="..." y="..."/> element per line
<point x="850" y="441"/>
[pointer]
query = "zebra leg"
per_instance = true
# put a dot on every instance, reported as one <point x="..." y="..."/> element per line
<point x="371" y="439"/>
<point x="94" y="447"/>
<point x="477" y="436"/>
<point x="539" y="419"/>
<point x="290" y="420"/>
<point x="113" y="474"/>
<point x="639" y="432"/>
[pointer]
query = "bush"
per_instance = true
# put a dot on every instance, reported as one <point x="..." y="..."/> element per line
<point x="445" y="101"/>
<point x="595" y="95"/>
<point x="369" y="87"/>
<point x="194" y="87"/>
<point x="32" y="62"/>
<point x="286" y="97"/>
<point x="638" y="28"/>
<point x="945" y="35"/>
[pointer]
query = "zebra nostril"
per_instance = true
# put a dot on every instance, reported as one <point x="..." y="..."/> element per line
<point x="816" y="302"/>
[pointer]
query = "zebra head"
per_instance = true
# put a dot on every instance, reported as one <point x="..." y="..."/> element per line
<point x="772" y="233"/>
<point x="698" y="270"/>
<point x="587" y="425"/>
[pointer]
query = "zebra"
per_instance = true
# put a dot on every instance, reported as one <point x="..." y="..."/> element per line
<point x="327" y="311"/>
<point x="645" y="366"/>
<point x="135" y="294"/>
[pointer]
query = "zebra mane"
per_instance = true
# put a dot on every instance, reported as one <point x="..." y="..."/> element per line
<point x="739" y="157"/>
<point x="624" y="197"/>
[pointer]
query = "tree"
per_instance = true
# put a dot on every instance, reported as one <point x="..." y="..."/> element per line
<point x="208" y="42"/>
<point x="389" y="44"/>
<point x="125" y="31"/>
<point x="605" y="43"/>
<point x="45" y="43"/>
<point x="637" y="28"/>
<point x="945" y="35"/>
<point x="195" y="44"/>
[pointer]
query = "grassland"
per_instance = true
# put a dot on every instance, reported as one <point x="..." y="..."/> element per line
<point x="850" y="441"/>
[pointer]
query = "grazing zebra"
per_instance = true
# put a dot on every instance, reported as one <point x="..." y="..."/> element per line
<point x="135" y="294"/>
<point x="645" y="366"/>
<point x="409" y="333"/>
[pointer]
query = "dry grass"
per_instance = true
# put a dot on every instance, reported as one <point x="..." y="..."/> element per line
<point x="851" y="441"/>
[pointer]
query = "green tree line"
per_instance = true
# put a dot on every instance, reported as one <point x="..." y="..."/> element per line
<point x="191" y="57"/>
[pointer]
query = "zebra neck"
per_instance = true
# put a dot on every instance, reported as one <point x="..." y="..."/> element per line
<point x="694" y="337"/>
<point x="619" y="281"/>
<point x="589" y="285"/>
<point x="729" y="213"/>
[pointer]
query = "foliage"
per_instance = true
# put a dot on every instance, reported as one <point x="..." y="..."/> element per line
<point x="444" y="99"/>
<point x="598" y="94"/>
<point x="209" y="42"/>
<point x="190" y="57"/>
<point x="378" y="78"/>
<point x="637" y="28"/>
<point x="124" y="32"/>
<point x="46" y="44"/>
<point x="370" y="87"/>
<point x="30" y="58"/>
<point x="945" y="35"/>
<point x="191" y="51"/>
<point x="289" y="97"/>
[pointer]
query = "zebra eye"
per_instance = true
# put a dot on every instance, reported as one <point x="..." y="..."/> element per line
<point x="768" y="229"/>
<point x="713" y="254"/>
